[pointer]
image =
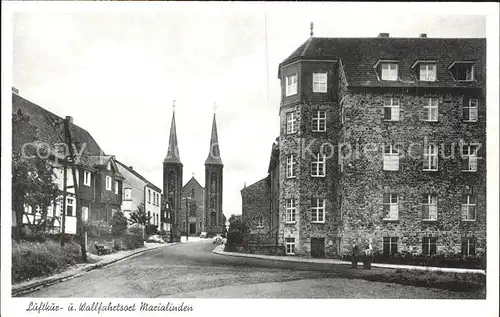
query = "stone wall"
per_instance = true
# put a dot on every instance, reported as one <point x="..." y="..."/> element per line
<point x="256" y="203"/>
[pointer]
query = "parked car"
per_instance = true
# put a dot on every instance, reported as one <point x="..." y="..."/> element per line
<point x="155" y="238"/>
<point x="203" y="235"/>
<point x="217" y="239"/>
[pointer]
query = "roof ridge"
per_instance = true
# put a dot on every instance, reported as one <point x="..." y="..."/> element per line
<point x="131" y="170"/>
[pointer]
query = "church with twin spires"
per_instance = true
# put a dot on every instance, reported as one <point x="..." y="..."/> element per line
<point x="192" y="208"/>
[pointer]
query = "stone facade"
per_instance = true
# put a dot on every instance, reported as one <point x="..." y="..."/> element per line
<point x="195" y="212"/>
<point x="256" y="204"/>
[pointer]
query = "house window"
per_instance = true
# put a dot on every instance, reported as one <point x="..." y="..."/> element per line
<point x="469" y="157"/>
<point x="469" y="207"/>
<point x="319" y="82"/>
<point x="290" y="165"/>
<point x="116" y="187"/>
<point x="427" y="72"/>
<point x="291" y="123"/>
<point x="86" y="178"/>
<point x="127" y="194"/>
<point x="319" y="121"/>
<point x="149" y="196"/>
<point x="108" y="183"/>
<point x="431" y="157"/>
<point x="469" y="246"/>
<point x="318" y="165"/>
<point x="470" y="110"/>
<point x="291" y="85"/>
<point x="391" y="206"/>
<point x="290" y="245"/>
<point x="462" y="71"/>
<point x="429" y="207"/>
<point x="317" y="210"/>
<point x="429" y="245"/>
<point x="184" y="225"/>
<point x="70" y="206"/>
<point x="391" y="109"/>
<point x="260" y="221"/>
<point x="391" y="158"/>
<point x="290" y="210"/>
<point x="389" y="71"/>
<point x="201" y="225"/>
<point x="390" y="245"/>
<point x="431" y="109"/>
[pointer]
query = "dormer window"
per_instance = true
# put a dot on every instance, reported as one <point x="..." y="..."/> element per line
<point x="291" y="85"/>
<point x="462" y="71"/>
<point x="389" y="71"/>
<point x="427" y="72"/>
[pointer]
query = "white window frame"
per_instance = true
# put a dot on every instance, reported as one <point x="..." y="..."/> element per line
<point x="129" y="190"/>
<point x="389" y="71"/>
<point x="431" y="106"/>
<point x="291" y="122"/>
<point x="116" y="187"/>
<point x="469" y="153"/>
<point x="430" y="201"/>
<point x="471" y="64"/>
<point x="291" y="84"/>
<point x="431" y="158"/>
<point x="320" y="81"/>
<point x="392" y="104"/>
<point x="290" y="165"/>
<point x="86" y="178"/>
<point x="471" y="241"/>
<point x="109" y="182"/>
<point x="391" y="158"/>
<point x="425" y="72"/>
<point x="318" y="123"/>
<point x="318" y="165"/>
<point x="391" y="241"/>
<point x="260" y="221"/>
<point x="291" y="210"/>
<point x="471" y="107"/>
<point x="391" y="208"/>
<point x="290" y="245"/>
<point x="470" y="202"/>
<point x="317" y="210"/>
<point x="72" y="205"/>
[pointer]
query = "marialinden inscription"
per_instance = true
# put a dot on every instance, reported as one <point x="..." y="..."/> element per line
<point x="98" y="307"/>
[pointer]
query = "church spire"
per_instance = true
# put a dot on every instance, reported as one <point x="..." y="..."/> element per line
<point x="214" y="152"/>
<point x="173" y="147"/>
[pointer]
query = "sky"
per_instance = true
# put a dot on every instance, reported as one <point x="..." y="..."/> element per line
<point x="117" y="72"/>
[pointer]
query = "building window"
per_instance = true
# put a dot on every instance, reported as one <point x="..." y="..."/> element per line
<point x="469" y="207"/>
<point x="319" y="121"/>
<point x="290" y="210"/>
<point x="431" y="109"/>
<point x="86" y="178"/>
<point x="291" y="85"/>
<point x="260" y="221"/>
<point x="427" y="72"/>
<point x="291" y="123"/>
<point x="149" y="196"/>
<point x="127" y="194"/>
<point x="429" y="245"/>
<point x="391" y="206"/>
<point x="184" y="225"/>
<point x="431" y="157"/>
<point x="469" y="157"/>
<point x="391" y="109"/>
<point x="318" y="165"/>
<point x="290" y="245"/>
<point x="390" y="245"/>
<point x="85" y="213"/>
<point x="391" y="158"/>
<point x="290" y="165"/>
<point x="469" y="246"/>
<point x="70" y="206"/>
<point x="319" y="82"/>
<point x="470" y="110"/>
<point x="201" y="225"/>
<point x="462" y="71"/>
<point x="317" y="210"/>
<point x="116" y="187"/>
<point x="389" y="71"/>
<point x="429" y="207"/>
<point x="108" y="183"/>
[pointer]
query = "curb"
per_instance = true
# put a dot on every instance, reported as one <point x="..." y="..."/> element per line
<point x="220" y="251"/>
<point x="51" y="281"/>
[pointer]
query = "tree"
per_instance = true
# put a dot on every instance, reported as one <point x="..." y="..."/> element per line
<point x="118" y="224"/>
<point x="139" y="217"/>
<point x="237" y="230"/>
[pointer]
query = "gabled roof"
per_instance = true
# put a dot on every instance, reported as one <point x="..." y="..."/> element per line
<point x="275" y="155"/>
<point x="359" y="55"/>
<point x="173" y="146"/>
<point x="139" y="176"/>
<point x="214" y="151"/>
<point x="193" y="181"/>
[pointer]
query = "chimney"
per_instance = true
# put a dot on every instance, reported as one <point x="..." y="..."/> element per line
<point x="131" y="167"/>
<point x="15" y="90"/>
<point x="422" y="35"/>
<point x="70" y="119"/>
<point x="383" y="35"/>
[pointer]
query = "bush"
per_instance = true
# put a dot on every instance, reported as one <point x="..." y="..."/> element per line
<point x="97" y="228"/>
<point x="118" y="224"/>
<point x="34" y="259"/>
<point x="133" y="241"/>
<point x="151" y="229"/>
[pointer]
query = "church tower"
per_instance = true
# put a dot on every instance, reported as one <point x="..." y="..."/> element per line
<point x="172" y="180"/>
<point x="214" y="218"/>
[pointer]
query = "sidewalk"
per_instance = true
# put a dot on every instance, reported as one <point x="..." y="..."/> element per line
<point x="220" y="250"/>
<point x="80" y="269"/>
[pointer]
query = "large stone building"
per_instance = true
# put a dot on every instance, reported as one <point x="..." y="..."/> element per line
<point x="193" y="207"/>
<point x="382" y="140"/>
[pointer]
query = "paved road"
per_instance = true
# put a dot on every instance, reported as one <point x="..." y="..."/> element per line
<point x="191" y="270"/>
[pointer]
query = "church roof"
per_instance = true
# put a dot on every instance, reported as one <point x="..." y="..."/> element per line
<point x="214" y="151"/>
<point x="193" y="180"/>
<point x="173" y="146"/>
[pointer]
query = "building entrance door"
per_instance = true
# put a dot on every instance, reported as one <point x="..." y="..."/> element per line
<point x="192" y="228"/>
<point x="318" y="247"/>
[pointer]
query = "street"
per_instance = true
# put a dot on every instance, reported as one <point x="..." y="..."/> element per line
<point x="191" y="270"/>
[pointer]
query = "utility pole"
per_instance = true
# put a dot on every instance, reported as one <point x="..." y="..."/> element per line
<point x="79" y="221"/>
<point x="63" y="212"/>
